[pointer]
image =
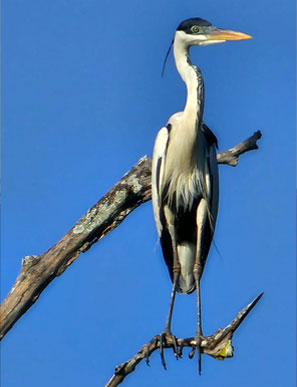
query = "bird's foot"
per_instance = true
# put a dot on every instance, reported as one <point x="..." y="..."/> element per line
<point x="167" y="339"/>
<point x="147" y="354"/>
<point x="197" y="347"/>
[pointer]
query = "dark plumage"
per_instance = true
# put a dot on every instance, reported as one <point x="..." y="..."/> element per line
<point x="196" y="21"/>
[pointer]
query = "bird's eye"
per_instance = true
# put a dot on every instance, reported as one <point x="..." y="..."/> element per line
<point x="195" y="29"/>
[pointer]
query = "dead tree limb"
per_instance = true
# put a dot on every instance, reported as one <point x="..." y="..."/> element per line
<point x="126" y="195"/>
<point x="219" y="346"/>
<point x="231" y="156"/>
<point x="38" y="271"/>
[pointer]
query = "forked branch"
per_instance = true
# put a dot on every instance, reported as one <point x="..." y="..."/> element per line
<point x="219" y="346"/>
<point x="132" y="190"/>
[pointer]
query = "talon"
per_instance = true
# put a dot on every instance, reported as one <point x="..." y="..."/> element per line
<point x="192" y="353"/>
<point x="165" y="338"/>
<point x="147" y="356"/>
<point x="181" y="347"/>
<point x="198" y="348"/>
<point x="175" y="347"/>
<point x="162" y="341"/>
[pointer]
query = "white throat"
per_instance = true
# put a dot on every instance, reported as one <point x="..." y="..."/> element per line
<point x="191" y="75"/>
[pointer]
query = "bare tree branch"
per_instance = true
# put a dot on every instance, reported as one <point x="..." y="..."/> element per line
<point x="126" y="195"/>
<point x="231" y="156"/>
<point x="38" y="271"/>
<point x="219" y="346"/>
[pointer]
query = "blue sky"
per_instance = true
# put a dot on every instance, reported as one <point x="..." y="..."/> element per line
<point x="82" y="101"/>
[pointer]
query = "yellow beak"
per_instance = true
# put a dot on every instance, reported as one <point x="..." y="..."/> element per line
<point x="220" y="34"/>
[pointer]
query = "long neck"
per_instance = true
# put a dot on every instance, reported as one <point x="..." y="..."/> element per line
<point x="192" y="77"/>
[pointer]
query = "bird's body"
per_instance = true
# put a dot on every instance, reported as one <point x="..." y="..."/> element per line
<point x="185" y="174"/>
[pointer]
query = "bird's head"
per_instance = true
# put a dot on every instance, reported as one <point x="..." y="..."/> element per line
<point x="199" y="32"/>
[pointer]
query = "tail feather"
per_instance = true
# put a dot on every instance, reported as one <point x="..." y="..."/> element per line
<point x="186" y="256"/>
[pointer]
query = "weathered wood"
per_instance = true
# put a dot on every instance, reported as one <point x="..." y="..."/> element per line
<point x="126" y="195"/>
<point x="38" y="271"/>
<point x="231" y="156"/>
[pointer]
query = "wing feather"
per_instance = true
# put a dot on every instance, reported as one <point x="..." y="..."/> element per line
<point x="158" y="166"/>
<point x="212" y="188"/>
<point x="158" y="162"/>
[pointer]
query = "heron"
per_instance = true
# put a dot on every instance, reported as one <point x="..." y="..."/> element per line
<point x="185" y="183"/>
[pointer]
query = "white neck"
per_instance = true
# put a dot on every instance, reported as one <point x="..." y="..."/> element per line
<point x="192" y="77"/>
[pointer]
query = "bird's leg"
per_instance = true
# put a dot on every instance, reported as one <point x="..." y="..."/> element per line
<point x="167" y="330"/>
<point x="172" y="299"/>
<point x="201" y="217"/>
<point x="176" y="271"/>
<point x="198" y="334"/>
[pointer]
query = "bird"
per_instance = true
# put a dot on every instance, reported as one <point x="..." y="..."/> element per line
<point x="185" y="181"/>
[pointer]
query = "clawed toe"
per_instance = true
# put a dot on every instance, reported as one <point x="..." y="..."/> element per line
<point x="192" y="353"/>
<point x="147" y="355"/>
<point x="197" y="348"/>
<point x="168" y="339"/>
<point x="181" y="347"/>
